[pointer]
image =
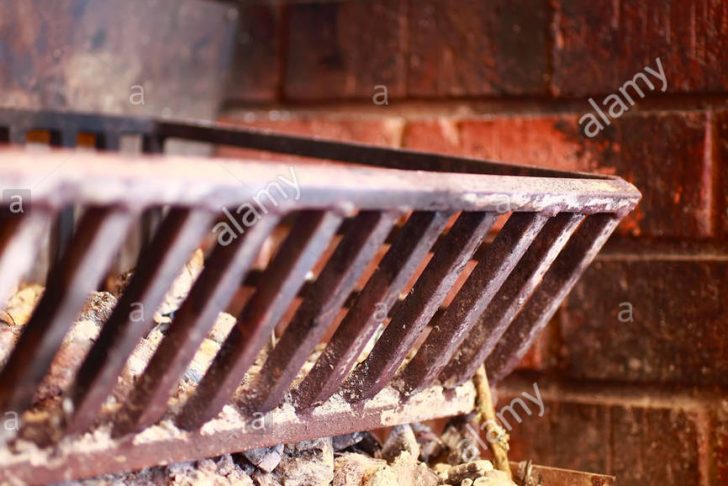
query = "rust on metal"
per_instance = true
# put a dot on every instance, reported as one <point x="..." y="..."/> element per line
<point x="357" y="271"/>
<point x="319" y="308"/>
<point x="177" y="238"/>
<point x="558" y="281"/>
<point x="374" y="302"/>
<point x="449" y="330"/>
<point x="284" y="277"/>
<point x="209" y="296"/>
<point x="97" y="238"/>
<point x="417" y="309"/>
<point x="510" y="299"/>
<point x="20" y="240"/>
<point x="555" y="476"/>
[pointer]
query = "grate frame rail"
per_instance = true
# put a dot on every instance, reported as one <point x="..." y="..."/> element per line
<point x="427" y="216"/>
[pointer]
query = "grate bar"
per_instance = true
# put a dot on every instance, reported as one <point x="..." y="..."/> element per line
<point x="510" y="299"/>
<point x="282" y="280"/>
<point x="408" y="249"/>
<point x="476" y="294"/>
<point x="176" y="239"/>
<point x="100" y="233"/>
<point x="320" y="307"/>
<point x="413" y="314"/>
<point x="76" y="459"/>
<point x="558" y="281"/>
<point x="20" y="238"/>
<point x="110" y="141"/>
<point x="210" y="294"/>
<point x="62" y="227"/>
<point x="356" y="153"/>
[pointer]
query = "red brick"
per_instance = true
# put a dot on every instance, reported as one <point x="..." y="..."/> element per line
<point x="542" y="141"/>
<point x="537" y="140"/>
<point x="720" y="451"/>
<point x="601" y="44"/>
<point x="344" y="49"/>
<point x="678" y="334"/>
<point x="661" y="153"/>
<point x="376" y="131"/>
<point x="720" y="164"/>
<point x="543" y="354"/>
<point x="441" y="135"/>
<point x="254" y="76"/>
<point x="638" y="443"/>
<point x="478" y="48"/>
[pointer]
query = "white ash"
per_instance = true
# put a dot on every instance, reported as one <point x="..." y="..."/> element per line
<point x="400" y="439"/>
<point x="265" y="458"/>
<point x="219" y="471"/>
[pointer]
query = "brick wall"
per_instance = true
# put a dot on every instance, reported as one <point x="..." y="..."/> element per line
<point x="640" y="395"/>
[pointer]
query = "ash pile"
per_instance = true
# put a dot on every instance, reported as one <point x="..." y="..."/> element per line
<point x="411" y="455"/>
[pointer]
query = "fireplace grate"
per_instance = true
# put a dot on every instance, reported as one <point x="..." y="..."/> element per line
<point x="393" y="276"/>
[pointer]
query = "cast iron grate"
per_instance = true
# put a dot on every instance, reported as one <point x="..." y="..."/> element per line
<point x="462" y="269"/>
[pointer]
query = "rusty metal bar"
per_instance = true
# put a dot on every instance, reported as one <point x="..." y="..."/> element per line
<point x="282" y="280"/>
<point x="110" y="141"/>
<point x="62" y="227"/>
<point x="319" y="308"/>
<point x="61" y="234"/>
<point x="99" y="234"/>
<point x="358" y="153"/>
<point x="417" y="309"/>
<point x="527" y="473"/>
<point x="471" y="301"/>
<point x="22" y="120"/>
<point x="145" y="180"/>
<point x="253" y="278"/>
<point x="210" y="294"/>
<point x="77" y="460"/>
<point x="558" y="281"/>
<point x="16" y="134"/>
<point x="510" y="299"/>
<point x="20" y="239"/>
<point x="233" y="135"/>
<point x="176" y="239"/>
<point x="397" y="267"/>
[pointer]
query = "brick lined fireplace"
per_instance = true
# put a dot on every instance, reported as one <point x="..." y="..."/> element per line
<point x="634" y="368"/>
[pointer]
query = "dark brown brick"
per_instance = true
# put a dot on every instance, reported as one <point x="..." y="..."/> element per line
<point x="344" y="50"/>
<point x="639" y="440"/>
<point x="678" y="334"/>
<point x="478" y="48"/>
<point x="599" y="45"/>
<point x="569" y="435"/>
<point x="254" y="76"/>
<point x="656" y="445"/>
<point x="663" y="154"/>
